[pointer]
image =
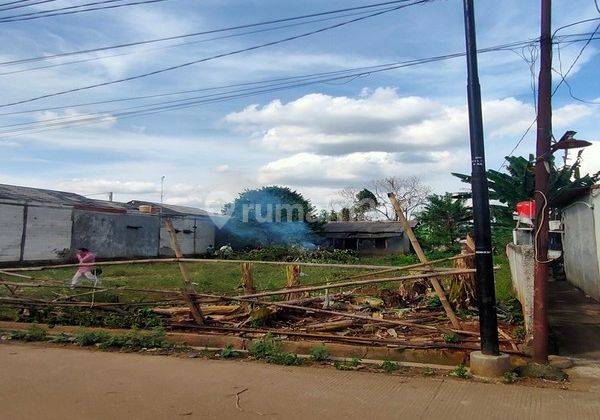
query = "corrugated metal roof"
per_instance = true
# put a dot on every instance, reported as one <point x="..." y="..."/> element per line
<point x="39" y="195"/>
<point x="171" y="208"/>
<point x="365" y="229"/>
<point x="367" y="226"/>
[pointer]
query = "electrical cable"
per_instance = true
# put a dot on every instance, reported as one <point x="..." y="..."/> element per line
<point x="256" y="31"/>
<point x="305" y="80"/>
<point x="2" y="9"/>
<point x="227" y="54"/>
<point x="212" y="31"/>
<point x="44" y="14"/>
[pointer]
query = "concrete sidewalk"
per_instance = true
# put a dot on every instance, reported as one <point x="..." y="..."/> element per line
<point x="54" y="383"/>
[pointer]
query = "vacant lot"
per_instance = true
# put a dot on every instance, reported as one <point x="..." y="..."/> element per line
<point x="224" y="278"/>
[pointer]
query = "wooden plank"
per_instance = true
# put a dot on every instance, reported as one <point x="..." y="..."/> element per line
<point x="189" y="289"/>
<point x="439" y="290"/>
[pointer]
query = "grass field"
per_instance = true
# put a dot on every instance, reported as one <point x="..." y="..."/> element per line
<point x="224" y="278"/>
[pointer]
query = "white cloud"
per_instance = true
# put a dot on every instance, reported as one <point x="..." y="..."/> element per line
<point x="352" y="169"/>
<point x="380" y="120"/>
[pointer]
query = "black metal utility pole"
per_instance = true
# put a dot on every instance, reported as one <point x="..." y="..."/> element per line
<point x="488" y="323"/>
<point x="542" y="173"/>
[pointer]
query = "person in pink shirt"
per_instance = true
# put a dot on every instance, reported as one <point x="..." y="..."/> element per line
<point x="86" y="260"/>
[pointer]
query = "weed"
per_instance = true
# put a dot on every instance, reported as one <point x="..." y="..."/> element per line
<point x="434" y="302"/>
<point x="520" y="333"/>
<point x="460" y="371"/>
<point x="428" y="372"/>
<point x="62" y="338"/>
<point x="90" y="338"/>
<point x="136" y="340"/>
<point x="269" y="349"/>
<point x="351" y="364"/>
<point x="228" y="352"/>
<point x="509" y="377"/>
<point x="33" y="333"/>
<point x="388" y="366"/>
<point x="319" y="353"/>
<point x="451" y="337"/>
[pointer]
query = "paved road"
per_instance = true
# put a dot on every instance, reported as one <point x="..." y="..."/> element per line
<point x="54" y="383"/>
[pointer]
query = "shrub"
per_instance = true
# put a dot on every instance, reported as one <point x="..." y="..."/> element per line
<point x="388" y="366"/>
<point x="33" y="333"/>
<point x="351" y="364"/>
<point x="319" y="353"/>
<point x="269" y="349"/>
<point x="90" y="338"/>
<point x="451" y="337"/>
<point x="228" y="352"/>
<point x="460" y="371"/>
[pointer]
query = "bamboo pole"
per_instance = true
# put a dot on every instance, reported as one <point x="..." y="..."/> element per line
<point x="108" y="263"/>
<point x="423" y="258"/>
<point x="343" y="314"/>
<point x="6" y="273"/>
<point x="189" y="289"/>
<point x="204" y="260"/>
<point x="247" y="278"/>
<point x="355" y="283"/>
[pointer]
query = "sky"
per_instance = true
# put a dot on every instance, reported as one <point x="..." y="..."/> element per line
<point x="315" y="138"/>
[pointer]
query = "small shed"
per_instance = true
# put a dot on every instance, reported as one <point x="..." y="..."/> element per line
<point x="368" y="237"/>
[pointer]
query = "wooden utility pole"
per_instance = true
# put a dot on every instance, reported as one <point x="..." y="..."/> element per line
<point x="188" y="292"/>
<point x="542" y="173"/>
<point x="423" y="258"/>
<point x="488" y="320"/>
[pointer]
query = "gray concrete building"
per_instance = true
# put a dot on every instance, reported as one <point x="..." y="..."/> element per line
<point x="368" y="238"/>
<point x="47" y="225"/>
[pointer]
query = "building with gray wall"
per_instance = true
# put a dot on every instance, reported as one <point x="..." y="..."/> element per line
<point x="46" y="225"/>
<point x="581" y="241"/>
<point x="368" y="238"/>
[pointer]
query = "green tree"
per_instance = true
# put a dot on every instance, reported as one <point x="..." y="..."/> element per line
<point x="518" y="184"/>
<point x="345" y="214"/>
<point x="270" y="215"/>
<point x="365" y="202"/>
<point x="443" y="221"/>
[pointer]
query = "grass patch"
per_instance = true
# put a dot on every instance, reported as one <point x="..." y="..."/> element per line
<point x="319" y="353"/>
<point x="460" y="371"/>
<point x="269" y="350"/>
<point x="352" y="364"/>
<point x="134" y="340"/>
<point x="388" y="366"/>
<point x="451" y="337"/>
<point x="33" y="333"/>
<point x="228" y="352"/>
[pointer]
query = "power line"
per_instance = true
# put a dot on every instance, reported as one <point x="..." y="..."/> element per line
<point x="164" y="106"/>
<point x="22" y="5"/>
<point x="212" y="31"/>
<point x="500" y="47"/>
<point x="43" y="14"/>
<point x="256" y="31"/>
<point x="189" y="63"/>
<point x="563" y="76"/>
<point x="17" y="1"/>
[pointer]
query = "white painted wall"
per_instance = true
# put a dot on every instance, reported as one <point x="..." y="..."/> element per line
<point x="581" y="243"/>
<point x="48" y="233"/>
<point x="11" y="231"/>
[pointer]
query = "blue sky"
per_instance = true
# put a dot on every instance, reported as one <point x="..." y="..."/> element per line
<point x="317" y="139"/>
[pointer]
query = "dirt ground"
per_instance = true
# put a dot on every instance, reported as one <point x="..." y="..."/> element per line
<point x="57" y="383"/>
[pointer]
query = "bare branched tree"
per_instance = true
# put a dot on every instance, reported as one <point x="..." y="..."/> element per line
<point x="410" y="191"/>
